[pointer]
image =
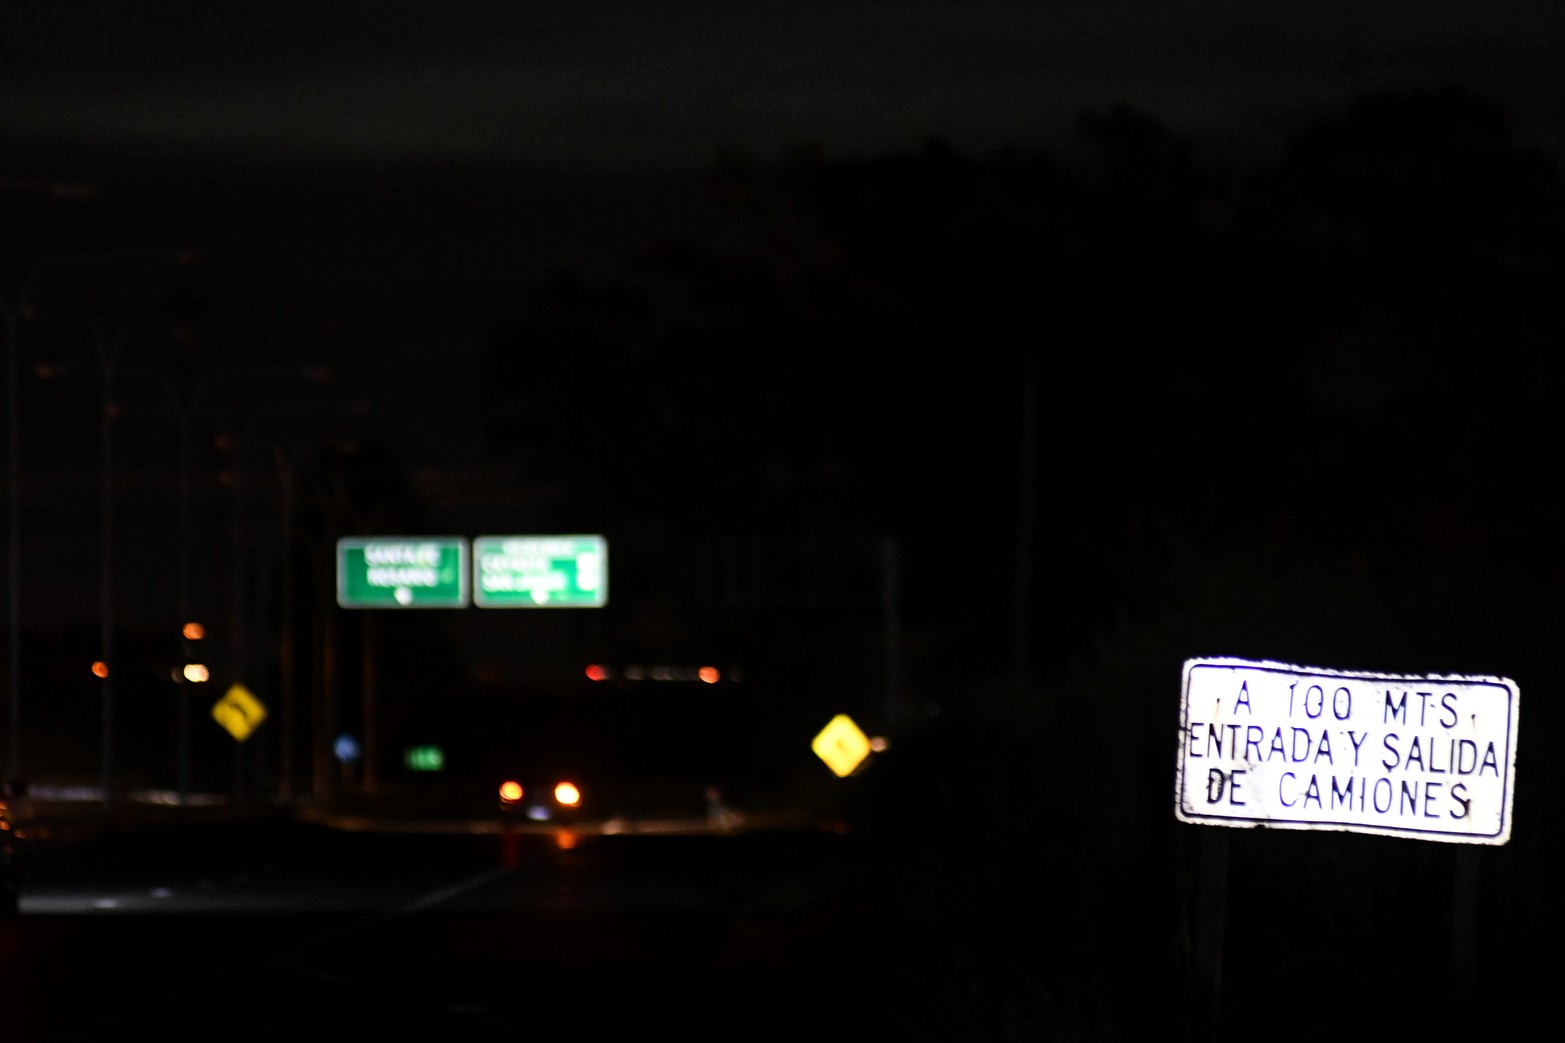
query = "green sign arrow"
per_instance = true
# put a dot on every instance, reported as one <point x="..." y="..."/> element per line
<point x="540" y="572"/>
<point x="402" y="572"/>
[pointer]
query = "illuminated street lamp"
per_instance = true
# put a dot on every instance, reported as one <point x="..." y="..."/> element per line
<point x="192" y="670"/>
<point x="193" y="633"/>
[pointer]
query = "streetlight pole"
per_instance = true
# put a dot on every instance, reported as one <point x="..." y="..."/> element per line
<point x="185" y="410"/>
<point x="107" y="368"/>
<point x="286" y="457"/>
<point x="184" y="414"/>
<point x="321" y="565"/>
<point x="286" y="657"/>
<point x="108" y="354"/>
<point x="12" y="311"/>
<point x="13" y="534"/>
<point x="109" y="347"/>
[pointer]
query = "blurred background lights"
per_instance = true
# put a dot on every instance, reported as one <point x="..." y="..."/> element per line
<point x="424" y="758"/>
<point x="510" y="791"/>
<point x="196" y="672"/>
<point x="193" y="631"/>
<point x="346" y="748"/>
<point x="100" y="668"/>
<point x="664" y="672"/>
<point x="567" y="793"/>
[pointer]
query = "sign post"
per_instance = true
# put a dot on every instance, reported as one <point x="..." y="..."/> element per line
<point x="1290" y="747"/>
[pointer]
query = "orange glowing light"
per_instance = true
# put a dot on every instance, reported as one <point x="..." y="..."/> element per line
<point x="100" y="668"/>
<point x="567" y="794"/>
<point x="596" y="672"/>
<point x="510" y="791"/>
<point x="709" y="674"/>
<point x="193" y="631"/>
<point x="564" y="839"/>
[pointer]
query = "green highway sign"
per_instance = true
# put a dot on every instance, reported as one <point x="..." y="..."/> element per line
<point x="540" y="571"/>
<point x="402" y="572"/>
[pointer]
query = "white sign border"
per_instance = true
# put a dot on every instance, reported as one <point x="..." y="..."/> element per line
<point x="464" y="573"/>
<point x="482" y="599"/>
<point x="1513" y="701"/>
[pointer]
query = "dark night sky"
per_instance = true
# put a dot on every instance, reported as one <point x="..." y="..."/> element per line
<point x="374" y="183"/>
<point x="619" y="91"/>
<point x="623" y="85"/>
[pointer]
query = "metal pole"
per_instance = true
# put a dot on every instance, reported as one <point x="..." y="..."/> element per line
<point x="13" y="554"/>
<point x="370" y="777"/>
<point x="14" y="528"/>
<point x="1024" y="522"/>
<point x="59" y="190"/>
<point x="236" y="625"/>
<point x="185" y="411"/>
<point x="330" y="778"/>
<point x="285" y="473"/>
<point x="326" y="781"/>
<point x="1210" y="914"/>
<point x="184" y="597"/>
<point x="108" y="349"/>
<point x="1464" y="935"/>
<point x="895" y="710"/>
<point x="239" y="624"/>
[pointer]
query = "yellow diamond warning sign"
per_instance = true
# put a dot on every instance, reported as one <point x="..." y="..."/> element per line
<point x="841" y="745"/>
<point x="239" y="712"/>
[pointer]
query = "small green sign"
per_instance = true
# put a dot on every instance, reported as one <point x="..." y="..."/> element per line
<point x="424" y="758"/>
<point x="402" y="572"/>
<point x="540" y="572"/>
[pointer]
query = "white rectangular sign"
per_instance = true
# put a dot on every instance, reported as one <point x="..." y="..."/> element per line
<point x="1291" y="747"/>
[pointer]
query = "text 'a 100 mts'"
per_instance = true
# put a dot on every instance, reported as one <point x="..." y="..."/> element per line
<point x="1267" y="744"/>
